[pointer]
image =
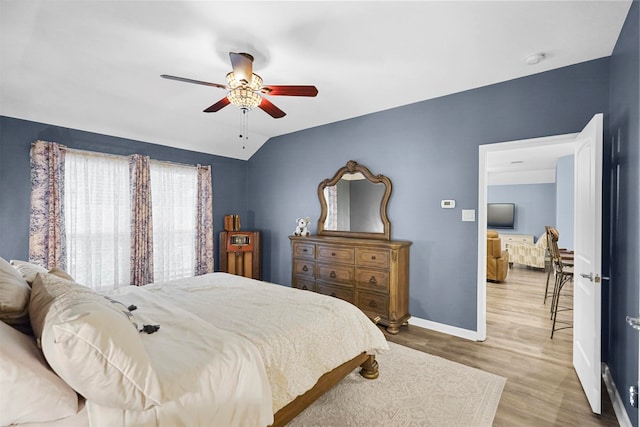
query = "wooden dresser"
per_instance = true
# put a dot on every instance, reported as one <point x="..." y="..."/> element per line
<point x="372" y="274"/>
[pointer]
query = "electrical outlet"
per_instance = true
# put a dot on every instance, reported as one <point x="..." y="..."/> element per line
<point x="633" y="396"/>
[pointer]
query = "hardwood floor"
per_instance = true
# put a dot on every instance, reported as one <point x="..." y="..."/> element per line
<point x="542" y="387"/>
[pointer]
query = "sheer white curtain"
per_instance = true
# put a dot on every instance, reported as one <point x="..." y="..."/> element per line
<point x="173" y="193"/>
<point x="97" y="218"/>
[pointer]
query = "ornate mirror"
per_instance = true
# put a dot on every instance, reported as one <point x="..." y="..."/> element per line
<point x="354" y="204"/>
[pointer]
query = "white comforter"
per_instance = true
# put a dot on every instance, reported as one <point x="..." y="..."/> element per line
<point x="232" y="351"/>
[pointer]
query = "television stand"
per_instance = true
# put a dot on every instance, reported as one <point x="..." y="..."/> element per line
<point x="514" y="238"/>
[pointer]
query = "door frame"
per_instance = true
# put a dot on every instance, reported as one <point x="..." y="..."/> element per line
<point x="483" y="179"/>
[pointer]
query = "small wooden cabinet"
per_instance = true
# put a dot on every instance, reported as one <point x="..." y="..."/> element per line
<point x="240" y="253"/>
<point x="369" y="273"/>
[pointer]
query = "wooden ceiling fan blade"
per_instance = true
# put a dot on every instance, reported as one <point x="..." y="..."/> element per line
<point x="289" y="90"/>
<point x="218" y="105"/>
<point x="271" y="109"/>
<point x="242" y="64"/>
<point x="199" y="82"/>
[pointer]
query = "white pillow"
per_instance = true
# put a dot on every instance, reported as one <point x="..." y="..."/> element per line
<point x="28" y="270"/>
<point x="14" y="296"/>
<point x="61" y="273"/>
<point x="92" y="345"/>
<point x="30" y="391"/>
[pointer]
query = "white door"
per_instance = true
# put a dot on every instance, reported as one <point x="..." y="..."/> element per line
<point x="587" y="258"/>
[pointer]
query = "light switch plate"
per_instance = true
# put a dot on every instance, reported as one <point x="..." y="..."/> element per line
<point x="469" y="215"/>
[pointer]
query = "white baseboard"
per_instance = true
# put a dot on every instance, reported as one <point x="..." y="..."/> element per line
<point x="616" y="399"/>
<point x="446" y="329"/>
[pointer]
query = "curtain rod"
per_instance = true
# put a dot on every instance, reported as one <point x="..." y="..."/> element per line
<point x="100" y="154"/>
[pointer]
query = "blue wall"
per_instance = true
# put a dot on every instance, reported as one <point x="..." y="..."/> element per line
<point x="535" y="206"/>
<point x="621" y="209"/>
<point x="429" y="150"/>
<point x="564" y="201"/>
<point x="229" y="176"/>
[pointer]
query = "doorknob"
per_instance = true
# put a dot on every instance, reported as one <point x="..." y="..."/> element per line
<point x="634" y="322"/>
<point x="587" y="276"/>
<point x="593" y="279"/>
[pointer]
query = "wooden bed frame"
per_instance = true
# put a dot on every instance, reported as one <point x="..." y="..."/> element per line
<point x="369" y="371"/>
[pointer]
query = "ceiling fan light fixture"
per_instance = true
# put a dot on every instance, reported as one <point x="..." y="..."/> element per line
<point x="244" y="97"/>
<point x="244" y="94"/>
<point x="233" y="82"/>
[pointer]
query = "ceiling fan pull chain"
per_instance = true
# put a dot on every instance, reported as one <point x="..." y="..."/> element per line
<point x="244" y="125"/>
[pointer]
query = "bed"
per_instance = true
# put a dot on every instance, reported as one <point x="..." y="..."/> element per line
<point x="229" y="351"/>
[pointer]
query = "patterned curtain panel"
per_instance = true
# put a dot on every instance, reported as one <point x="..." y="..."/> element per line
<point x="204" y="223"/>
<point x="141" y="221"/>
<point x="46" y="228"/>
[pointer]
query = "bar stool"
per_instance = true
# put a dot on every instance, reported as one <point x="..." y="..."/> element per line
<point x="566" y="256"/>
<point x="563" y="275"/>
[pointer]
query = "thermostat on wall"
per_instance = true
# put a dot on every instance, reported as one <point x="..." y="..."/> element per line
<point x="448" y="204"/>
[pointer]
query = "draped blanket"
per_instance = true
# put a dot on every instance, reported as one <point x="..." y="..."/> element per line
<point x="233" y="351"/>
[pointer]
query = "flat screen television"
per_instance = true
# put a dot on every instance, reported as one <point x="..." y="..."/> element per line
<point x="501" y="215"/>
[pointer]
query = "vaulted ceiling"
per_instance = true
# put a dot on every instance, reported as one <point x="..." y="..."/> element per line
<point x="96" y="65"/>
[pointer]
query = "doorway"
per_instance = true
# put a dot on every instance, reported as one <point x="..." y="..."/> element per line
<point x="587" y="248"/>
<point x="485" y="151"/>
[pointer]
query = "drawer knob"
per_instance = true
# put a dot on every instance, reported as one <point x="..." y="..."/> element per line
<point x="333" y="254"/>
<point x="305" y="268"/>
<point x="333" y="294"/>
<point x="304" y="250"/>
<point x="373" y="280"/>
<point x="333" y="274"/>
<point x="372" y="304"/>
<point x="373" y="257"/>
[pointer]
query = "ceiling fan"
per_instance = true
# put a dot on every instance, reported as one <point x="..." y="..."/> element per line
<point x="245" y="89"/>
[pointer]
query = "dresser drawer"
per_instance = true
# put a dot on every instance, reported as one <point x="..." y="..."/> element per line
<point x="306" y="250"/>
<point x="304" y="268"/>
<point x="307" y="285"/>
<point x="374" y="280"/>
<point x="338" y="273"/>
<point x="335" y="291"/>
<point x="380" y="258"/>
<point x="373" y="304"/>
<point x="335" y="254"/>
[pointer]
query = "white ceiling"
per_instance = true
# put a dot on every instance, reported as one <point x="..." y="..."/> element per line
<point x="533" y="163"/>
<point x="95" y="65"/>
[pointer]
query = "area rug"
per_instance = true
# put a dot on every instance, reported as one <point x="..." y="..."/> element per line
<point x="413" y="389"/>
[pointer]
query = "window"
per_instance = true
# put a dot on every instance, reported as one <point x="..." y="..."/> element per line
<point x="97" y="219"/>
<point x="173" y="200"/>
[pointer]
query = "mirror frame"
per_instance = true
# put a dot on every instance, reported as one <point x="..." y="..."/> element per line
<point x="353" y="167"/>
